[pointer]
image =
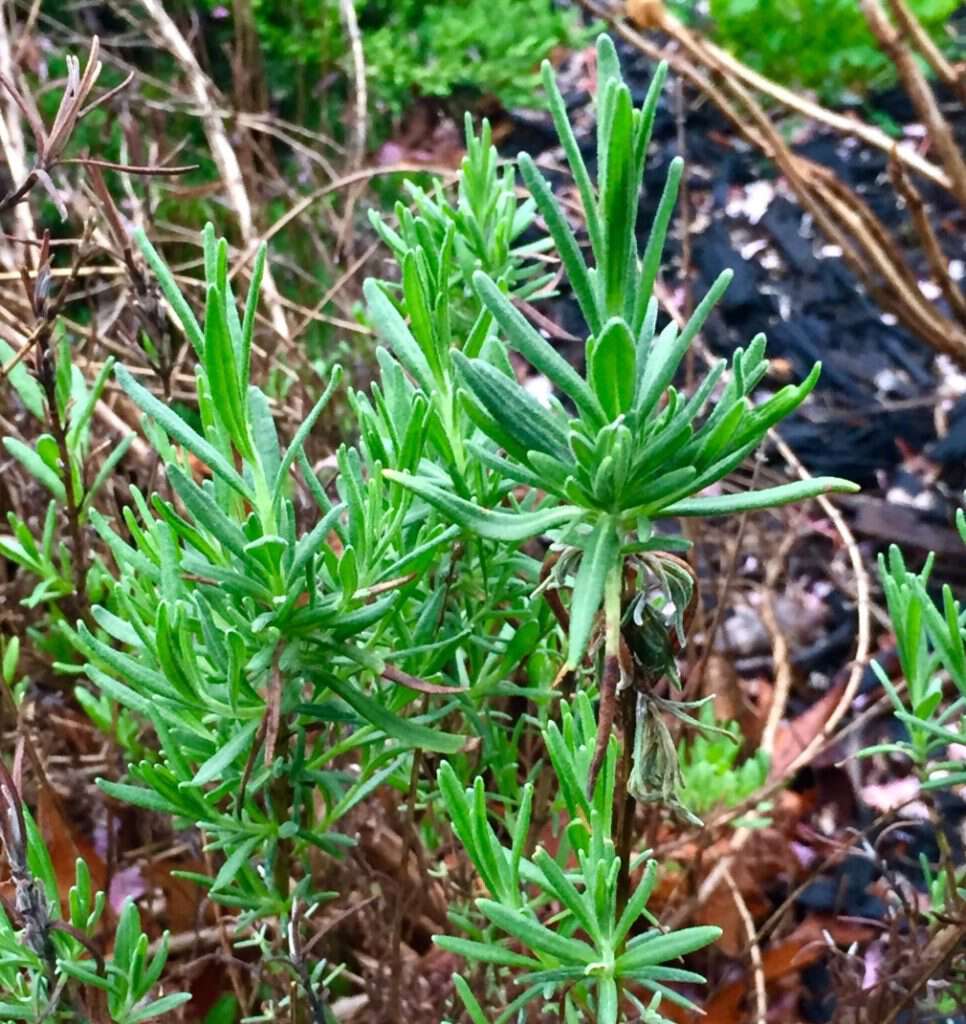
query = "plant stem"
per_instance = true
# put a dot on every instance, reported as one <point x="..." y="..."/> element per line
<point x="610" y="677"/>
<point x="625" y="804"/>
<point x="409" y="838"/>
<point x="74" y="501"/>
<point x="281" y="797"/>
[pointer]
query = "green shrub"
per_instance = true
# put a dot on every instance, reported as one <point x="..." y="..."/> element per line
<point x="824" y="45"/>
<point x="710" y="773"/>
<point x="270" y="648"/>
<point x="417" y="48"/>
<point x="930" y="709"/>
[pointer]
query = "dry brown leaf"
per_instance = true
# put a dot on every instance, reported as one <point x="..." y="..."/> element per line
<point x="793" y="737"/>
<point x="646" y="13"/>
<point x="802" y="947"/>
<point x="182" y="897"/>
<point x="65" y="844"/>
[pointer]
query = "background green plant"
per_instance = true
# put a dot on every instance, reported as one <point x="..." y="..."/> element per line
<point x="587" y="950"/>
<point x="445" y="49"/>
<point x="931" y="643"/>
<point x="50" y="967"/>
<point x="635" y="450"/>
<point x="929" y="706"/>
<point x="713" y="772"/>
<point x="824" y="45"/>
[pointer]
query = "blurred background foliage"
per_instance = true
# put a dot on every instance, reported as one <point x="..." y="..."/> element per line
<point x="825" y="45"/>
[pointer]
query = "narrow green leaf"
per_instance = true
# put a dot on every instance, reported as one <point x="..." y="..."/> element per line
<point x="654" y="949"/>
<point x="176" y="427"/>
<point x="538" y="937"/>
<point x="137" y="796"/>
<point x="668" y="351"/>
<point x="636" y="904"/>
<point x="512" y="406"/>
<point x="206" y="513"/>
<point x="124" y="695"/>
<point x="619" y="209"/>
<point x="562" y="757"/>
<point x="470" y="1003"/>
<point x="601" y="552"/>
<point x="608" y="63"/>
<point x="223" y="373"/>
<point x="607" y="1001"/>
<point x="414" y="735"/>
<point x="457" y="806"/>
<point x="264" y="434"/>
<point x="484" y="952"/>
<point x="645" y="123"/>
<point x="565" y="132"/>
<point x="171" y="292"/>
<point x="565" y="241"/>
<point x="24" y="383"/>
<point x="213" y="769"/>
<point x="651" y="261"/>
<point x="36" y="467"/>
<point x="416" y="304"/>
<point x="391" y="326"/>
<point x="107" y="468"/>
<point x="251" y="307"/>
<point x="565" y="891"/>
<point x="235" y="862"/>
<point x="81" y="413"/>
<point x="538" y="352"/>
<point x="770" y="497"/>
<point x="159" y="1007"/>
<point x="305" y="428"/>
<point x="505" y="526"/>
<point x="612" y="368"/>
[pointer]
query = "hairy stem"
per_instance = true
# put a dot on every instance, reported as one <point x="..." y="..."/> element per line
<point x="610" y="677"/>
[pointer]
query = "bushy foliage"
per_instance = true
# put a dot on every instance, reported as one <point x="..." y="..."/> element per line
<point x="271" y="647"/>
<point x="713" y="773"/>
<point x="824" y="45"/>
<point x="931" y="643"/>
<point x="414" y="48"/>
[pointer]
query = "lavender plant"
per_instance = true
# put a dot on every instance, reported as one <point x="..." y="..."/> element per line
<point x="627" y="448"/>
<point x="276" y="647"/>
<point x="50" y="966"/>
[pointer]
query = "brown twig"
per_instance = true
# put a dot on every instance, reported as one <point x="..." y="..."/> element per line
<point x="607" y="715"/>
<point x="410" y="842"/>
<point x="203" y="90"/>
<point x="347" y="9"/>
<point x="863" y="645"/>
<point x="781" y="655"/>
<point x="754" y="949"/>
<point x="12" y="140"/>
<point x="914" y="81"/>
<point x="849" y="126"/>
<point x="912" y="29"/>
<point x="938" y="263"/>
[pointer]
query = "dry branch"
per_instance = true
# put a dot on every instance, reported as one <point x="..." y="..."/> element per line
<point x="921" y="95"/>
<point x="12" y="140"/>
<point x="954" y="76"/>
<point x="203" y="90"/>
<point x="848" y="125"/>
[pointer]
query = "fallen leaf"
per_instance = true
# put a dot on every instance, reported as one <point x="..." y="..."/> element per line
<point x="66" y="844"/>
<point x="182" y="897"/>
<point x="646" y="13"/>
<point x="791" y="738"/>
<point x="800" y="948"/>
